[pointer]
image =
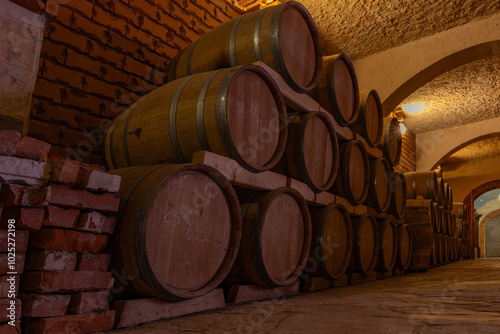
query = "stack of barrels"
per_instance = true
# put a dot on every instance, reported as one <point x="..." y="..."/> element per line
<point x="188" y="219"/>
<point x="431" y="211"/>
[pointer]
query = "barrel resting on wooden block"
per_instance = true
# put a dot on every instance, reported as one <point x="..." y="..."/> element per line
<point x="320" y="283"/>
<point x="249" y="293"/>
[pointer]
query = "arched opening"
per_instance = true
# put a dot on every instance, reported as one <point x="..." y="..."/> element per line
<point x="492" y="237"/>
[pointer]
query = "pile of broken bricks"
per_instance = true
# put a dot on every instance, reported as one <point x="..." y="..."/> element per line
<point x="64" y="212"/>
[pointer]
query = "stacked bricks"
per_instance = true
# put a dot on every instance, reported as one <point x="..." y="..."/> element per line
<point x="99" y="57"/>
<point x="63" y="211"/>
<point x="408" y="161"/>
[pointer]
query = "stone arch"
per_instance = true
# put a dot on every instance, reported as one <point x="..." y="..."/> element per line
<point x="482" y="231"/>
<point x="398" y="72"/>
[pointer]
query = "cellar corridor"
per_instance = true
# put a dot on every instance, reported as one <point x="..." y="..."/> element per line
<point x="461" y="297"/>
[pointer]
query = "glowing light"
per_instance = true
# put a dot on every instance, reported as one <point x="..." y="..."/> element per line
<point x="402" y="127"/>
<point x="413" y="108"/>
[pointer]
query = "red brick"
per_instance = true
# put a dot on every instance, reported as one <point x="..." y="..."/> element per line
<point x="65" y="281"/>
<point x="21" y="239"/>
<point x="122" y="44"/>
<point x="29" y="219"/>
<point x="97" y="181"/>
<point x="141" y="37"/>
<point x="60" y="217"/>
<point x="82" y="63"/>
<point x="107" y="55"/>
<point x="47" y="90"/>
<point x="9" y="142"/>
<point x="60" y="159"/>
<point x="65" y="36"/>
<point x="31" y="148"/>
<point x="144" y="8"/>
<point x="152" y="28"/>
<point x="118" y="77"/>
<point x="68" y="240"/>
<point x="8" y="329"/>
<point x="50" y="260"/>
<point x="38" y="306"/>
<point x="140" y="69"/>
<point x="24" y="167"/>
<point x="112" y="109"/>
<point x="109" y="20"/>
<point x="10" y="315"/>
<point x="102" y="88"/>
<point x="65" y="16"/>
<point x="81" y="323"/>
<point x="17" y="266"/>
<point x="97" y="223"/>
<point x="82" y="101"/>
<point x="84" y="8"/>
<point x="86" y="142"/>
<point x="90" y="29"/>
<point x="55" y="113"/>
<point x="155" y="60"/>
<point x="60" y="74"/>
<point x="6" y="283"/>
<point x="166" y="51"/>
<point x="65" y="171"/>
<point x="11" y="195"/>
<point x="85" y="302"/>
<point x="125" y="12"/>
<point x="93" y="262"/>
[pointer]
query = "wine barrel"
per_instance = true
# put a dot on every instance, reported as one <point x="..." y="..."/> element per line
<point x="454" y="249"/>
<point x="446" y="222"/>
<point x="331" y="246"/>
<point x="391" y="142"/>
<point x="379" y="191"/>
<point x="405" y="247"/>
<point x="440" y="191"/>
<point x="453" y="225"/>
<point x="440" y="250"/>
<point x="458" y="209"/>
<point x="421" y="211"/>
<point x="446" y="248"/>
<point x="238" y="113"/>
<point x="276" y="238"/>
<point x="312" y="151"/>
<point x="398" y="195"/>
<point x="337" y="89"/>
<point x="353" y="180"/>
<point x="422" y="184"/>
<point x="283" y="36"/>
<point x="438" y="223"/>
<point x="388" y="245"/>
<point x="179" y="229"/>
<point x="365" y="244"/>
<point x="422" y="235"/>
<point x="448" y="197"/>
<point x="434" y="250"/>
<point x="442" y="220"/>
<point x="369" y="123"/>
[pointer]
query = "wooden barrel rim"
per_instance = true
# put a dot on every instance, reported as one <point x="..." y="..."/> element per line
<point x="299" y="149"/>
<point x="331" y="93"/>
<point x="223" y="125"/>
<point x="375" y="165"/>
<point x="357" y="239"/>
<point x="345" y="172"/>
<point x="362" y="116"/>
<point x="405" y="265"/>
<point x="386" y="147"/>
<point x="139" y="230"/>
<point x="320" y="234"/>
<point x="440" y="191"/>
<point x="257" y="237"/>
<point x="399" y="212"/>
<point x="381" y="260"/>
<point x="276" y="46"/>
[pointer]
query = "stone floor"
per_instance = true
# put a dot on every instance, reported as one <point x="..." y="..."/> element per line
<point x="462" y="297"/>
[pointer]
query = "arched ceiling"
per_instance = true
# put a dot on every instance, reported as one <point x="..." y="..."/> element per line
<point x="466" y="94"/>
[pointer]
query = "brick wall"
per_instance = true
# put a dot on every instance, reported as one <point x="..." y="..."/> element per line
<point x="408" y="162"/>
<point x="98" y="57"/>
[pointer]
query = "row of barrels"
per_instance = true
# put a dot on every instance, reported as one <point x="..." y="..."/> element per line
<point x="446" y="249"/>
<point x="184" y="230"/>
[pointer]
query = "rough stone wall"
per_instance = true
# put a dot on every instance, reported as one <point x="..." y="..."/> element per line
<point x="99" y="57"/>
<point x="408" y="162"/>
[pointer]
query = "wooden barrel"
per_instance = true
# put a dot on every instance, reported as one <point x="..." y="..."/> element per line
<point x="365" y="244"/>
<point x="446" y="222"/>
<point x="405" y="247"/>
<point x="276" y="238"/>
<point x="422" y="235"/>
<point x="453" y="224"/>
<point x="179" y="229"/>
<point x="353" y="179"/>
<point x="398" y="195"/>
<point x="312" y="151"/>
<point x="388" y="245"/>
<point x="454" y="247"/>
<point x="422" y="184"/>
<point x="458" y="209"/>
<point x="442" y="220"/>
<point x="238" y="113"/>
<point x="421" y="211"/>
<point x="438" y="223"/>
<point x="434" y="250"/>
<point x="459" y="224"/>
<point x="283" y="36"/>
<point x="446" y="248"/>
<point x="440" y="191"/>
<point x="460" y="249"/>
<point x="369" y="123"/>
<point x="391" y="142"/>
<point x="337" y="89"/>
<point x="448" y="197"/>
<point x="379" y="191"/>
<point x="331" y="246"/>
<point x="440" y="250"/>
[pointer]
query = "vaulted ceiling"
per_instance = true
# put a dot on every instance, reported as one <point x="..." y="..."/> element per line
<point x="466" y="94"/>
